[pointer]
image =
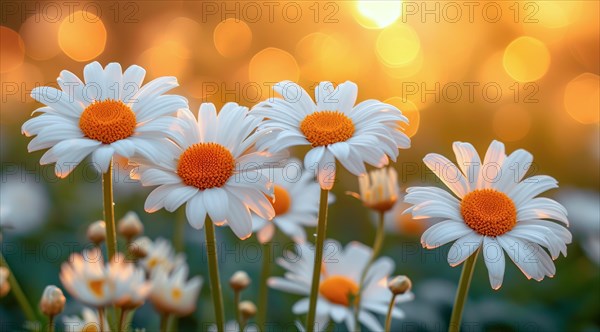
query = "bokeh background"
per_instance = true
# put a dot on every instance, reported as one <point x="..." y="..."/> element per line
<point x="523" y="72"/>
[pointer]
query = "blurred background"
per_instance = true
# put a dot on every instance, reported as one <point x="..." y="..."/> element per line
<point x="523" y="72"/>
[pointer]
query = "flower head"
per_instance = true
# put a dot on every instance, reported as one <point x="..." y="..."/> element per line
<point x="89" y="323"/>
<point x="129" y="284"/>
<point x="334" y="127"/>
<point x="53" y="301"/>
<point x="339" y="284"/>
<point x="214" y="169"/>
<point x="130" y="225"/>
<point x="379" y="189"/>
<point x="159" y="254"/>
<point x="493" y="206"/>
<point x="111" y="113"/>
<point x="172" y="293"/>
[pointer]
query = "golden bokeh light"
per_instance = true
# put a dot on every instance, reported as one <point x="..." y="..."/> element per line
<point x="398" y="45"/>
<point x="272" y="65"/>
<point x="40" y="38"/>
<point x="232" y="38"/>
<point x="12" y="51"/>
<point x="512" y="123"/>
<point x="410" y="110"/>
<point x="582" y="98"/>
<point x="377" y="14"/>
<point x="405" y="71"/>
<point x="165" y="59"/>
<point x="526" y="59"/>
<point x="82" y="36"/>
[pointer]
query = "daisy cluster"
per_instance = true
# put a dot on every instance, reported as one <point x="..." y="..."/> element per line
<point x="232" y="168"/>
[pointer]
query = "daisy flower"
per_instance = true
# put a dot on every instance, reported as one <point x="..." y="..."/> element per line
<point x="87" y="279"/>
<point x="295" y="202"/>
<point x="172" y="293"/>
<point x="160" y="254"/>
<point x="494" y="207"/>
<point x="111" y="113"/>
<point x="214" y="169"/>
<point x="334" y="127"/>
<point x="339" y="282"/>
<point x="87" y="323"/>
<point x="129" y="284"/>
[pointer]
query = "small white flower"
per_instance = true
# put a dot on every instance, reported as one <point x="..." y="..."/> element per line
<point x="493" y="207"/>
<point x="214" y="169"/>
<point x="89" y="323"/>
<point x="160" y="254"/>
<point x="296" y="203"/>
<point x="340" y="277"/>
<point x="129" y="283"/>
<point x="173" y="293"/>
<point x="86" y="278"/>
<point x="112" y="113"/>
<point x="335" y="128"/>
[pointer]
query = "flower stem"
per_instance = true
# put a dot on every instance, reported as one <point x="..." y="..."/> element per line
<point x="263" y="294"/>
<point x="50" y="323"/>
<point x="236" y="304"/>
<point x="123" y="320"/>
<point x="109" y="211"/>
<point x="461" y="293"/>
<point x="388" y="318"/>
<point x="101" y="318"/>
<point x="164" y="320"/>
<point x="377" y="244"/>
<point x="316" y="277"/>
<point x="17" y="291"/>
<point x="213" y="267"/>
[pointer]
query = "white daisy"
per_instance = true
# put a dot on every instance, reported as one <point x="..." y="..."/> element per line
<point x="89" y="323"/>
<point x="495" y="207"/>
<point x="111" y="113"/>
<point x="129" y="283"/>
<point x="87" y="279"/>
<point x="295" y="201"/>
<point x="213" y="168"/>
<point x="342" y="268"/>
<point x="160" y="254"/>
<point x="335" y="128"/>
<point x="172" y="293"/>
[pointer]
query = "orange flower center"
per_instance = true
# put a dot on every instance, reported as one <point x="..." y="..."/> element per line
<point x="488" y="212"/>
<point x="107" y="121"/>
<point x="91" y="327"/>
<point x="205" y="165"/>
<point x="176" y="293"/>
<point x="282" y="202"/>
<point x="338" y="289"/>
<point x="96" y="287"/>
<point x="327" y="127"/>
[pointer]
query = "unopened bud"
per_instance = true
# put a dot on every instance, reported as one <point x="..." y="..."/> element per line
<point x="130" y="226"/>
<point x="247" y="309"/>
<point x="140" y="247"/>
<point x="239" y="281"/>
<point x="53" y="301"/>
<point x="400" y="285"/>
<point x="4" y="284"/>
<point x="96" y="232"/>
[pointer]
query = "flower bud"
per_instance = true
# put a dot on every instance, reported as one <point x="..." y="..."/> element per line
<point x="53" y="301"/>
<point x="96" y="232"/>
<point x="140" y="247"/>
<point x="130" y="226"/>
<point x="247" y="309"/>
<point x="239" y="281"/>
<point x="399" y="285"/>
<point x="379" y="189"/>
<point x="4" y="284"/>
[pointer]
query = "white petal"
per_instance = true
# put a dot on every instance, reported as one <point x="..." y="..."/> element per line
<point x="178" y="196"/>
<point x="463" y="248"/>
<point x="468" y="161"/>
<point x="207" y="122"/>
<point x="102" y="157"/>
<point x="443" y="232"/>
<point x="239" y="218"/>
<point x="195" y="211"/>
<point x="447" y="172"/>
<point x="493" y="255"/>
<point x="492" y="163"/>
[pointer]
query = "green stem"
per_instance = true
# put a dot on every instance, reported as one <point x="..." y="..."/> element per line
<point x="388" y="318"/>
<point x="50" y="323"/>
<point x="164" y="321"/>
<point x="316" y="277"/>
<point x="377" y="244"/>
<point x="263" y="295"/>
<point x="236" y="304"/>
<point x="109" y="212"/>
<point x="123" y="320"/>
<point x="172" y="324"/>
<point x="101" y="318"/>
<point x="17" y="291"/>
<point x="213" y="267"/>
<point x="461" y="293"/>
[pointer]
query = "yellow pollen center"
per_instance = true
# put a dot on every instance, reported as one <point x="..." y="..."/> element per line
<point x="96" y="287"/>
<point x="176" y="293"/>
<point x="488" y="212"/>
<point x="91" y="327"/>
<point x="327" y="127"/>
<point x="205" y="165"/>
<point x="338" y="289"/>
<point x="282" y="201"/>
<point x="107" y="121"/>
